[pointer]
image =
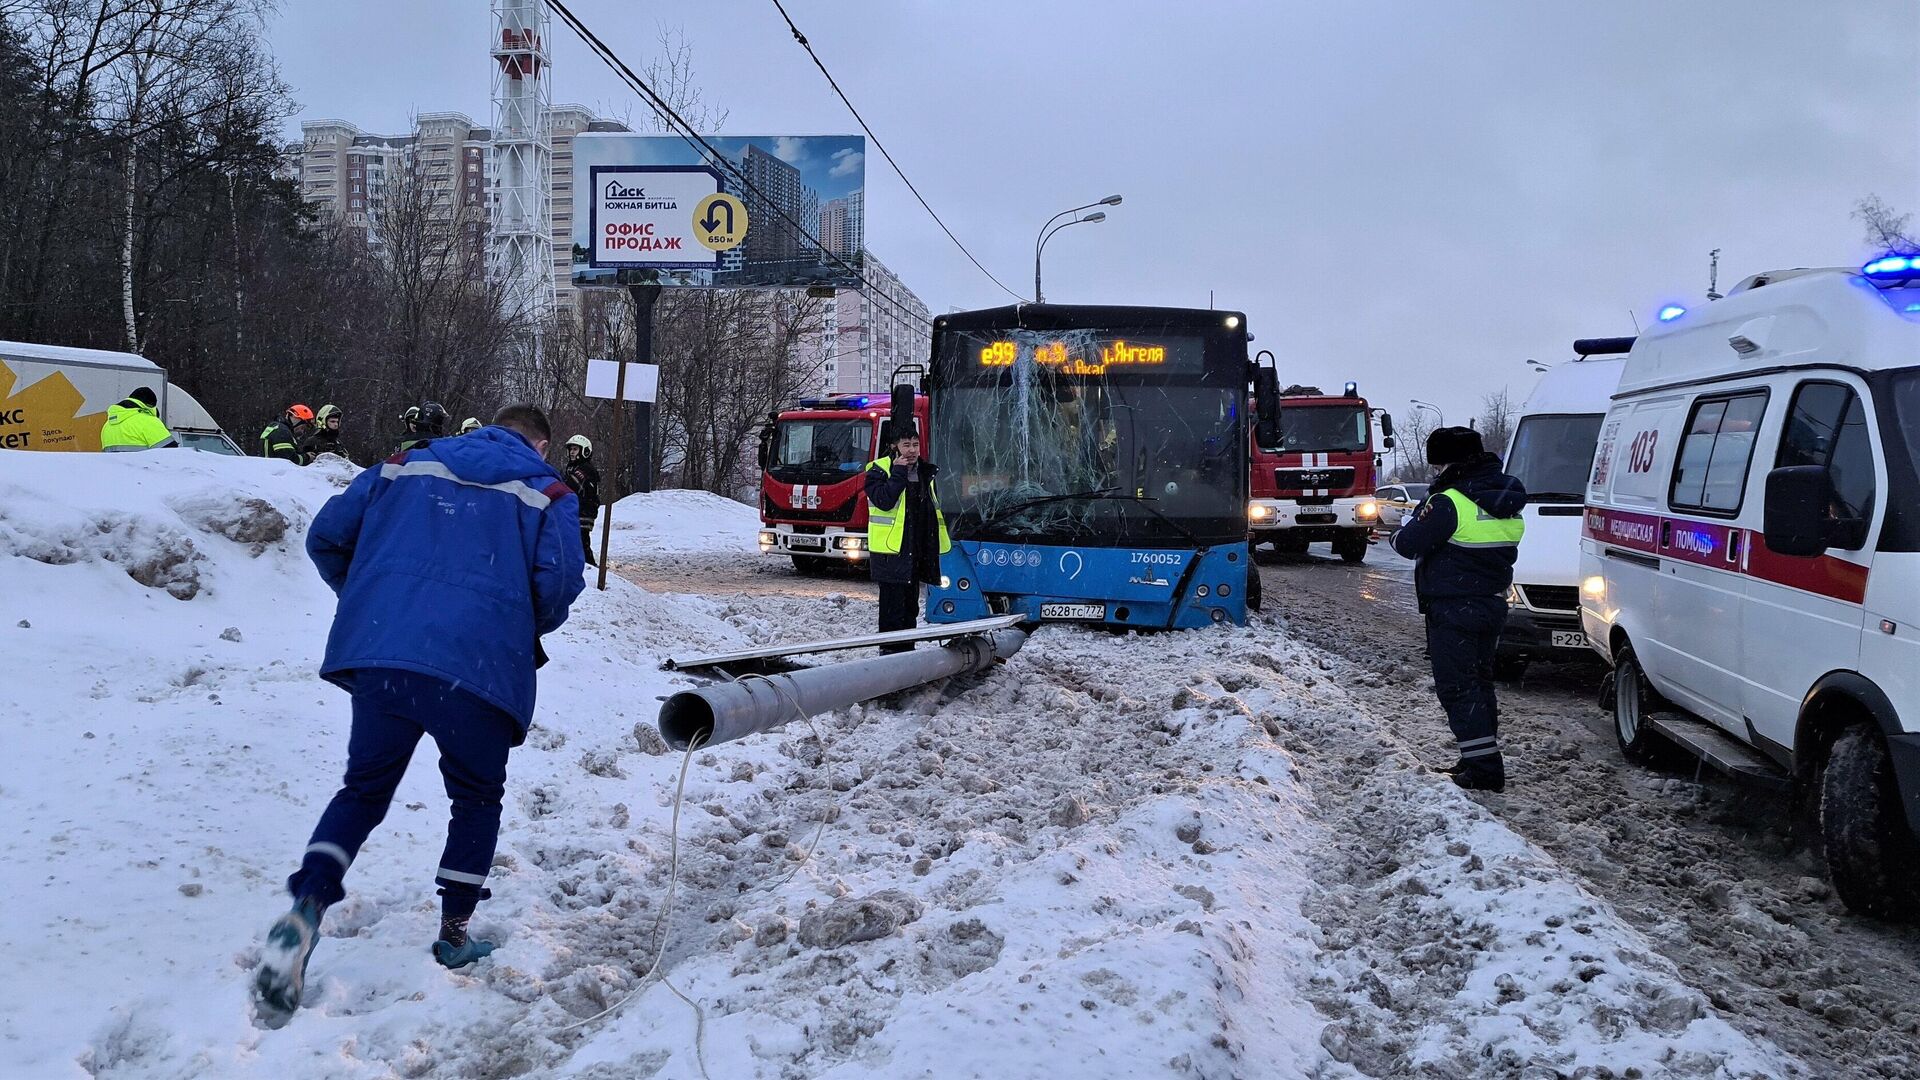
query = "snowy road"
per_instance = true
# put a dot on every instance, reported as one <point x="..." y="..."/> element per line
<point x="1713" y="874"/>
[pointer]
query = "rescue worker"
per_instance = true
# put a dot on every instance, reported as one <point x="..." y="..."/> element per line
<point x="134" y="424"/>
<point x="470" y="425"/>
<point x="584" y="479"/>
<point x="425" y="422"/>
<point x="284" y="437"/>
<point x="326" y="433"/>
<point x="1466" y="535"/>
<point x="906" y="533"/>
<point x="437" y="633"/>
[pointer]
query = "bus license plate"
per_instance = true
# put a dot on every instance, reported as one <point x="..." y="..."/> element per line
<point x="1569" y="639"/>
<point x="813" y="542"/>
<point x="1073" y="611"/>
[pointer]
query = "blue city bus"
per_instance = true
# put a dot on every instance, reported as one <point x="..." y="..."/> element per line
<point x="1093" y="465"/>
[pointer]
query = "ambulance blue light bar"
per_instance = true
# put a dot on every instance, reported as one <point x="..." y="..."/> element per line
<point x="1893" y="267"/>
<point x="1671" y="312"/>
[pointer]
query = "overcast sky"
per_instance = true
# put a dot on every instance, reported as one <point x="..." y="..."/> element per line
<point x="1417" y="196"/>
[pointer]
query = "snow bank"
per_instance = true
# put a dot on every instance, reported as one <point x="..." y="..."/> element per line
<point x="679" y="521"/>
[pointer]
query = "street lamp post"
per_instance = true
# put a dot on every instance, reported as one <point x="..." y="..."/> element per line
<point x="1430" y="405"/>
<point x="1047" y="231"/>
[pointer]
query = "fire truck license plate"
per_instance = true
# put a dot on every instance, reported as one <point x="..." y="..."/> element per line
<point x="813" y="542"/>
<point x="1073" y="611"/>
<point x="1313" y="519"/>
<point x="1569" y="639"/>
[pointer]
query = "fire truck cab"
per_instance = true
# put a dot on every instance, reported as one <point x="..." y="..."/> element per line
<point x="1314" y="481"/>
<point x="813" y="460"/>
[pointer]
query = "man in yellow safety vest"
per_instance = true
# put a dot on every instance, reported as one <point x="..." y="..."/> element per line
<point x="1466" y="536"/>
<point x="906" y="533"/>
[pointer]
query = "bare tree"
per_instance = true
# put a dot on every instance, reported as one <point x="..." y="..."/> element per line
<point x="1413" y="427"/>
<point x="1886" y="229"/>
<point x="1497" y="411"/>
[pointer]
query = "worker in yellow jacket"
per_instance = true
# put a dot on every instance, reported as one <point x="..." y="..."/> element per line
<point x="134" y="424"/>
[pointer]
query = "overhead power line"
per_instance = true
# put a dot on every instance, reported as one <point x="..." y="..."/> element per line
<point x="884" y="152"/>
<point x="694" y="138"/>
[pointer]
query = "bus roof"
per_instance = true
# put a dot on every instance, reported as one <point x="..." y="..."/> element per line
<point x="1079" y="316"/>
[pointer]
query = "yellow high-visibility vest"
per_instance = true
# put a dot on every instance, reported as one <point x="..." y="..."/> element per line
<point x="1475" y="528"/>
<point x="887" y="529"/>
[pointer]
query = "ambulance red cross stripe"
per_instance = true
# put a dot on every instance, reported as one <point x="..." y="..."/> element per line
<point x="1727" y="547"/>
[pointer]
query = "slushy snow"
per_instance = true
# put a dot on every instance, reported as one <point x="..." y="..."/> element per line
<point x="1111" y="856"/>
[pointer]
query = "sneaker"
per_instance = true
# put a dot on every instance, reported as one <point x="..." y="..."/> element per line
<point x="282" y="975"/>
<point x="455" y="949"/>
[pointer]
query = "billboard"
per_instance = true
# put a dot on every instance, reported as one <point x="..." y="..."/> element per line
<point x="779" y="211"/>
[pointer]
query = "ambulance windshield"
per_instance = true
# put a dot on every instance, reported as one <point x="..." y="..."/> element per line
<point x="1552" y="454"/>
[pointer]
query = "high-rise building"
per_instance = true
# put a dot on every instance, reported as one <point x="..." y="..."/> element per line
<point x="774" y="194"/>
<point x="352" y="174"/>
<point x="872" y="335"/>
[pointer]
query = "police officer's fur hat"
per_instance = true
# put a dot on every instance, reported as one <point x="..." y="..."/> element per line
<point x="1453" y="445"/>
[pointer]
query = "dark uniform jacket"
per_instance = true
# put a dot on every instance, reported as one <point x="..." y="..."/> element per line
<point x="584" y="479"/>
<point x="1446" y="571"/>
<point x="280" y="441"/>
<point x="323" y="441"/>
<point x="919" y="558"/>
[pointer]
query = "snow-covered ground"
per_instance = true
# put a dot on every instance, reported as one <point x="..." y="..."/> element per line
<point x="1111" y="856"/>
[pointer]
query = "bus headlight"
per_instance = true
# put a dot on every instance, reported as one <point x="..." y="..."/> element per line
<point x="1258" y="511"/>
<point x="1367" y="511"/>
<point x="946" y="582"/>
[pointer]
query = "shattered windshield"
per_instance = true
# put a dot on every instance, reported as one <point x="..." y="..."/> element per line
<point x="1089" y="437"/>
<point x="1321" y="429"/>
<point x="820" y="451"/>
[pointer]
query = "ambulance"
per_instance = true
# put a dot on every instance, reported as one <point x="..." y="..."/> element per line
<point x="1751" y="553"/>
<point x="1551" y="453"/>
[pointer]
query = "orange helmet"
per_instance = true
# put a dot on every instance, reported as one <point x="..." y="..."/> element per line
<point x="301" y="412"/>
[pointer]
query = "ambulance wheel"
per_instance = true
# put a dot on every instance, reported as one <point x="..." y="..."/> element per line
<point x="1634" y="699"/>
<point x="810" y="565"/>
<point x="1871" y="854"/>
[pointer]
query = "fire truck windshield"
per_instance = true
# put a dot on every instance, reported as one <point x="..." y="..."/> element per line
<point x="820" y="451"/>
<point x="1321" y="429"/>
<point x="1061" y="443"/>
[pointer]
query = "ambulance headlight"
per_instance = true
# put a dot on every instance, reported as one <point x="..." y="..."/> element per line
<point x="1595" y="587"/>
<point x="1367" y="511"/>
<point x="1258" y="512"/>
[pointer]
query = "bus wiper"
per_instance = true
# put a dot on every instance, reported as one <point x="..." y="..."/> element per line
<point x="1147" y="505"/>
<point x="1008" y="511"/>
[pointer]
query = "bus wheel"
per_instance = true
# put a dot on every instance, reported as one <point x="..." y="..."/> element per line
<point x="1871" y="854"/>
<point x="1633" y="700"/>
<point x="1253" y="588"/>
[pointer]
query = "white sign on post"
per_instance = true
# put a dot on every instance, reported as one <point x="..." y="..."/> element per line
<point x="644" y="216"/>
<point x="603" y="379"/>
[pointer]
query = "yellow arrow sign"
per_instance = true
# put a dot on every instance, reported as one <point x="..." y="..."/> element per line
<point x="720" y="222"/>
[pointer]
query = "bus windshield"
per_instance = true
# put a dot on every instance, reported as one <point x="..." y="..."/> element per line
<point x="820" y="451"/>
<point x="1089" y="437"/>
<point x="1320" y="429"/>
<point x="1552" y="456"/>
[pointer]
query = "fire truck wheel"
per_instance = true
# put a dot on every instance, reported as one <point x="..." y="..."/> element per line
<point x="1871" y="854"/>
<point x="810" y="565"/>
<point x="1634" y="699"/>
<point x="1352" y="546"/>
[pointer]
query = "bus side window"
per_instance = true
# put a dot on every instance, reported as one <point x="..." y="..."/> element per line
<point x="1827" y="426"/>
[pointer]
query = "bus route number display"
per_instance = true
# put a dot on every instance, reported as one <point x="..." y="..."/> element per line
<point x="1113" y="356"/>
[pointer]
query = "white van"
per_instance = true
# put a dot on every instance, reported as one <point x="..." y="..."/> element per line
<point x="57" y="397"/>
<point x="1752" y="552"/>
<point x="1551" y="453"/>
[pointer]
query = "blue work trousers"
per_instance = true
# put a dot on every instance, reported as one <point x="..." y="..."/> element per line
<point x="391" y="710"/>
<point x="1462" y="635"/>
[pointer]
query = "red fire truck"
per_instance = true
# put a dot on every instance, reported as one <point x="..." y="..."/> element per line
<point x="1314" y="476"/>
<point x="813" y="460"/>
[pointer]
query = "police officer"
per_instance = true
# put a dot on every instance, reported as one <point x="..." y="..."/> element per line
<point x="906" y="533"/>
<point x="1466" y="535"/>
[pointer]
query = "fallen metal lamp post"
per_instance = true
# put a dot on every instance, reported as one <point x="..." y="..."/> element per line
<point x="728" y="711"/>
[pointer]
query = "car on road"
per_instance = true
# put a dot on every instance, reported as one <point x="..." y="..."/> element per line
<point x="1751" y="553"/>
<point x="1397" y="503"/>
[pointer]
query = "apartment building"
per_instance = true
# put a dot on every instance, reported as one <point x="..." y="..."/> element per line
<point x="874" y="335"/>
